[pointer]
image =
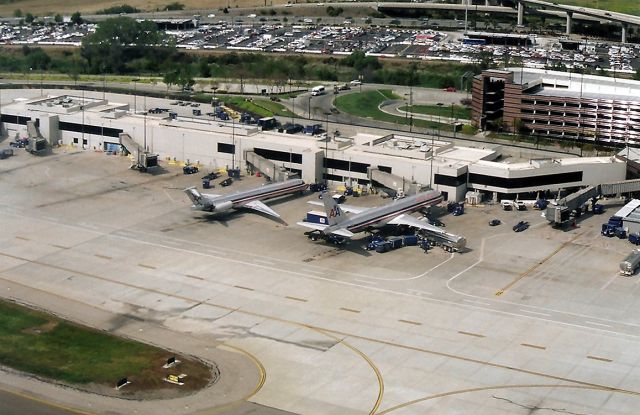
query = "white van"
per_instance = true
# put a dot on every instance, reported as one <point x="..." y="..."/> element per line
<point x="317" y="90"/>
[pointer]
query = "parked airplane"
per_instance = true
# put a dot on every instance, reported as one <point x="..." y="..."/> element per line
<point x="395" y="213"/>
<point x="250" y="199"/>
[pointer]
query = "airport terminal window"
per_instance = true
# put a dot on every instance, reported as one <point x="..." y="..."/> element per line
<point x="226" y="148"/>
<point x="14" y="119"/>
<point x="279" y="155"/>
<point x="522" y="182"/>
<point x="450" y="180"/>
<point x="573" y="104"/>
<point x="332" y="177"/>
<point x="89" y="129"/>
<point x="384" y="169"/>
<point x="527" y="102"/>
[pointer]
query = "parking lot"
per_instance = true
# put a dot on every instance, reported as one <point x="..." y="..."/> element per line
<point x="535" y="319"/>
<point x="303" y="35"/>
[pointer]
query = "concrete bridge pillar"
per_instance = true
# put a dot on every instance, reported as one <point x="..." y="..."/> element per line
<point x="569" y="22"/>
<point x="520" y="13"/>
<point x="625" y="27"/>
<point x="486" y="3"/>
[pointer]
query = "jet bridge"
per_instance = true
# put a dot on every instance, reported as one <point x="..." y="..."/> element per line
<point x="142" y="160"/>
<point x="560" y="213"/>
<point x="265" y="166"/>
<point x="398" y="184"/>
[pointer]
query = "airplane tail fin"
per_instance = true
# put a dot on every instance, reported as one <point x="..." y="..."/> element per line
<point x="194" y="195"/>
<point x="335" y="215"/>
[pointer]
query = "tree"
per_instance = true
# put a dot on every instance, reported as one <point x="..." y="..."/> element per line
<point x="170" y="78"/>
<point x="17" y="13"/>
<point x="174" y="6"/>
<point x="58" y="18"/>
<point x="29" y="18"/>
<point x="121" y="43"/>
<point x="76" y="18"/>
<point x="636" y="75"/>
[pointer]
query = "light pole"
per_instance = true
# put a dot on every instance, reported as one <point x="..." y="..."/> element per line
<point x="135" y="96"/>
<point x="310" y="106"/>
<point x="439" y="104"/>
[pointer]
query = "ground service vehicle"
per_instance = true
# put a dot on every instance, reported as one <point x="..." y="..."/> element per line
<point x="190" y="169"/>
<point x="317" y="90"/>
<point x="506" y="204"/>
<point x="630" y="264"/>
<point x="494" y="222"/>
<point x="521" y="226"/>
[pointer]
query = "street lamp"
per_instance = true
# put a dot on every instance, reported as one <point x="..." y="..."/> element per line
<point x="135" y="96"/>
<point x="439" y="104"/>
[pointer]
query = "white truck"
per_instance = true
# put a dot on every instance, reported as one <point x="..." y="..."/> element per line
<point x="630" y="264"/>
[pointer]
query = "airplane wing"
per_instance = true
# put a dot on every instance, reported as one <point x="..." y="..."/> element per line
<point x="409" y="220"/>
<point x="315" y="226"/>
<point x="342" y="232"/>
<point x="346" y="208"/>
<point x="261" y="207"/>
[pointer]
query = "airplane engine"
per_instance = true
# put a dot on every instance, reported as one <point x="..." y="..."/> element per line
<point x="221" y="207"/>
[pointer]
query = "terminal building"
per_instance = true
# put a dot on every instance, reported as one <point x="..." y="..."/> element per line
<point x="95" y="124"/>
<point x="558" y="105"/>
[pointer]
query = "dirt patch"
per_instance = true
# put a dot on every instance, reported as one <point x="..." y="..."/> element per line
<point x="44" y="328"/>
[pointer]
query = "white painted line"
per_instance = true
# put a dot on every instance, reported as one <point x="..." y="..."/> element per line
<point x="262" y="261"/>
<point x="418" y="292"/>
<point x="315" y="271"/>
<point x="606" y="284"/>
<point x="597" y="324"/>
<point x="367" y="282"/>
<point x="475" y="302"/>
<point x="535" y="312"/>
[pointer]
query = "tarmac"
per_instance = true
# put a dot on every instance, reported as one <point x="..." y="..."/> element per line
<point x="517" y="323"/>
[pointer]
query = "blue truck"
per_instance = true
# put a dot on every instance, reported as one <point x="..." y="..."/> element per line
<point x="613" y="228"/>
<point x="456" y="209"/>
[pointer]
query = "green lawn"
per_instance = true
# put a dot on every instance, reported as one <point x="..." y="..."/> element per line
<point x="443" y="111"/>
<point x="44" y="345"/>
<point x="261" y="107"/>
<point x="365" y="104"/>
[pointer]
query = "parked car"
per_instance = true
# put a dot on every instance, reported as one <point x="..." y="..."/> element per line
<point x="226" y="182"/>
<point x="521" y="226"/>
<point x="494" y="222"/>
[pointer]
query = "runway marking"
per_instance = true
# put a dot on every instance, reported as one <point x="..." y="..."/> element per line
<point x="415" y="277"/>
<point x="606" y="284"/>
<point x="103" y="257"/>
<point x="601" y="359"/>
<point x="366" y="358"/>
<point x="244" y="288"/>
<point x="194" y="277"/>
<point x="350" y="310"/>
<point x="324" y="330"/>
<point x="597" y="324"/>
<point x="418" y="292"/>
<point x="415" y="323"/>
<point x="535" y="312"/>
<point x="263" y="378"/>
<point x="262" y="261"/>
<point x="366" y="282"/>
<point x="475" y="302"/>
<point x="537" y="265"/>
<point x="467" y="333"/>
<point x="489" y="388"/>
<point x="60" y="246"/>
<point x="295" y="298"/>
<point x="146" y="266"/>
<point x="315" y="271"/>
<point x="22" y="238"/>
<point x="533" y="346"/>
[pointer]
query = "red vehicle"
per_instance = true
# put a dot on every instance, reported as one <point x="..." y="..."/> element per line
<point x="450" y="89"/>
